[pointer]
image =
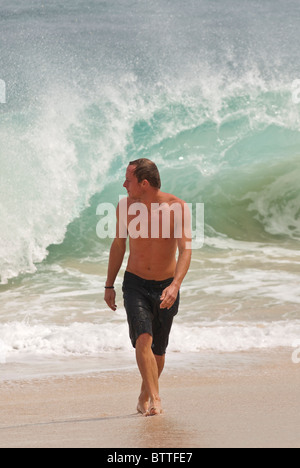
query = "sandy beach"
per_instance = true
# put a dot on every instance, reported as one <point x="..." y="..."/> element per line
<point x="250" y="405"/>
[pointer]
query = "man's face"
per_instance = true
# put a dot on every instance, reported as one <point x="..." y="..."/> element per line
<point x="131" y="184"/>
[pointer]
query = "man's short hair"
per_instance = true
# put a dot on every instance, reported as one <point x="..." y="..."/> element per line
<point x="146" y="170"/>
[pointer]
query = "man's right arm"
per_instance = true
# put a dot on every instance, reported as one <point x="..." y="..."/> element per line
<point x="116" y="258"/>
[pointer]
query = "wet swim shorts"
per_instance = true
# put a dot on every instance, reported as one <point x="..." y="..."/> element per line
<point x="142" y="304"/>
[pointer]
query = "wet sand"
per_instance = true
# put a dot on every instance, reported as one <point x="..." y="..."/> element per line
<point x="255" y="405"/>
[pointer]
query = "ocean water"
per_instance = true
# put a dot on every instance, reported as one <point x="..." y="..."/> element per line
<point x="209" y="90"/>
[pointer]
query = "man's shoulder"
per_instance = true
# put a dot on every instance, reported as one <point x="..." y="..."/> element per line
<point x="171" y="199"/>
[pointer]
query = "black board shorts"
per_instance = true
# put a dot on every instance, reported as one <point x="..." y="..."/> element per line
<point x="142" y="303"/>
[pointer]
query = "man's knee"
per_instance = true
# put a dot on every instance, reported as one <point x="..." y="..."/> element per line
<point x="144" y="341"/>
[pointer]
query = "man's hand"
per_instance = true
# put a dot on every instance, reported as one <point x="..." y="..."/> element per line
<point x="110" y="298"/>
<point x="169" y="296"/>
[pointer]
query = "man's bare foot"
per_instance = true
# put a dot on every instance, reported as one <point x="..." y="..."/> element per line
<point x="155" y="408"/>
<point x="143" y="405"/>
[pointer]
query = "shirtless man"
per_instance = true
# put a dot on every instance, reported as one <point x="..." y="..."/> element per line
<point x="153" y="275"/>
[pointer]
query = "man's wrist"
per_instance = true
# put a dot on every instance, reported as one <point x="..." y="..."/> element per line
<point x="176" y="283"/>
<point x="109" y="285"/>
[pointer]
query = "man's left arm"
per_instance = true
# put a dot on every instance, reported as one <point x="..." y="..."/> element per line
<point x="170" y="294"/>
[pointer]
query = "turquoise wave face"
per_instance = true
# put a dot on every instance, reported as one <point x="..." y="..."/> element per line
<point x="235" y="149"/>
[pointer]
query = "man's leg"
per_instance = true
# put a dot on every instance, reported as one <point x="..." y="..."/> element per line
<point x="144" y="398"/>
<point x="150" y="368"/>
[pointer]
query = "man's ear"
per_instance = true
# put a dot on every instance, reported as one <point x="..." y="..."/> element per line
<point x="145" y="184"/>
